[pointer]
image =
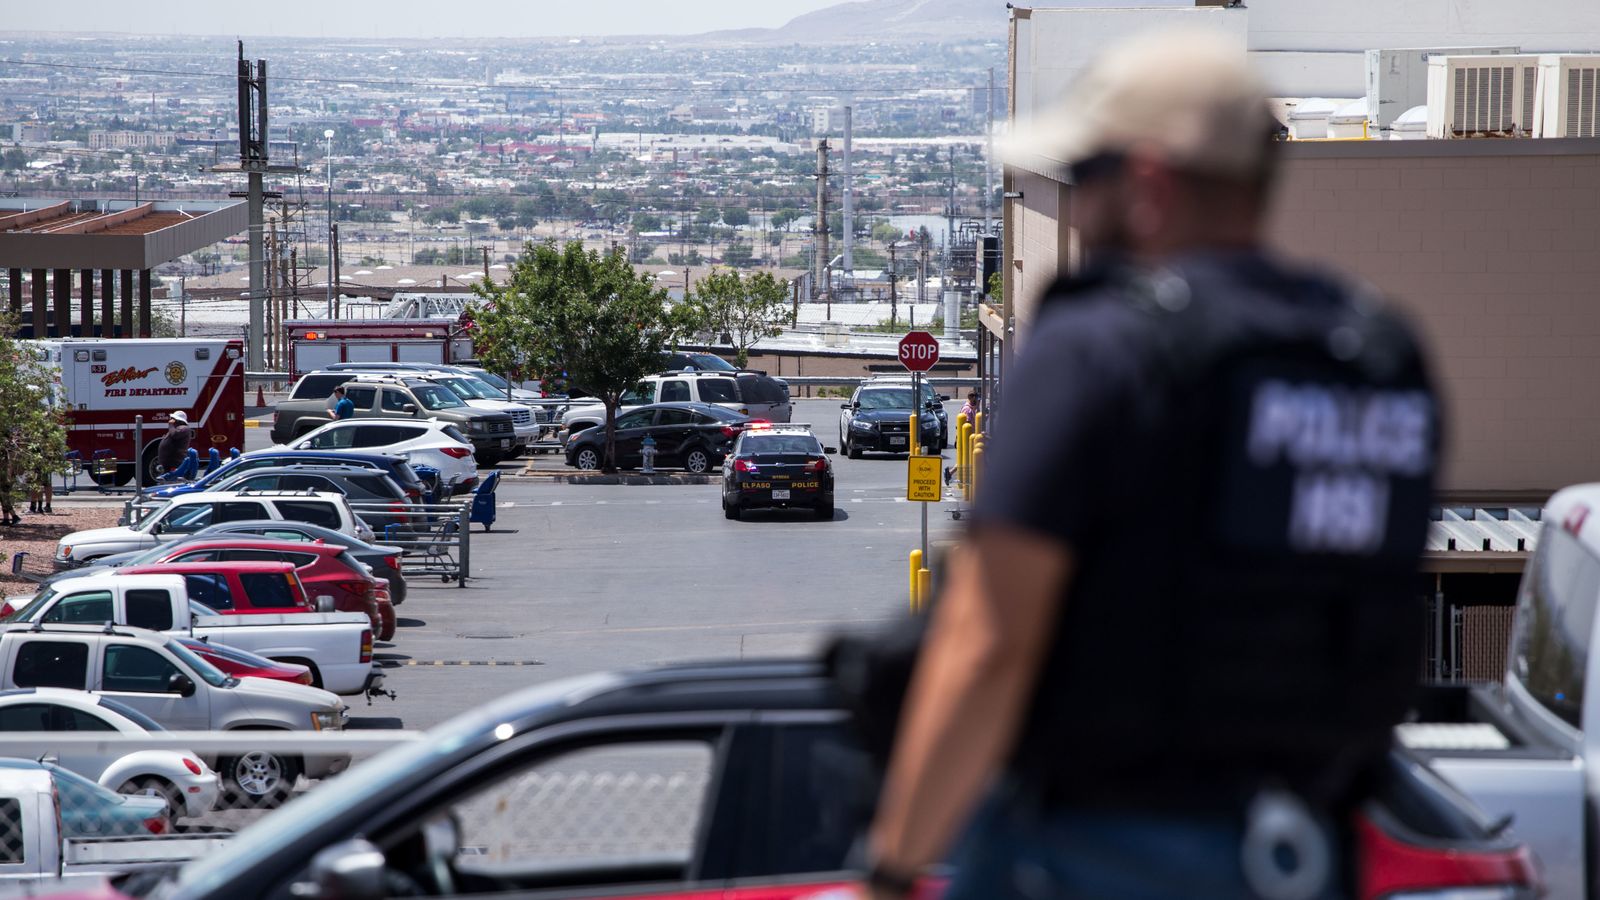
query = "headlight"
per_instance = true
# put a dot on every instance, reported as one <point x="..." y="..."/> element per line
<point x="326" y="720"/>
<point x="859" y="425"/>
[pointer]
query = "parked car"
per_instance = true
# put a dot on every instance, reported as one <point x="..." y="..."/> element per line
<point x="336" y="647"/>
<point x="750" y="783"/>
<point x="227" y="587"/>
<point x="751" y="394"/>
<point x="479" y="394"/>
<point x="437" y="444"/>
<point x="932" y="400"/>
<point x="383" y="561"/>
<point x="158" y="676"/>
<point x="90" y="810"/>
<point x="187" y="786"/>
<point x="328" y="577"/>
<point x="695" y="436"/>
<point x="394" y="466"/>
<point x="186" y="514"/>
<point x="381" y="501"/>
<point x="878" y="418"/>
<point x="244" y="664"/>
<point x="778" y="466"/>
<point x="396" y="396"/>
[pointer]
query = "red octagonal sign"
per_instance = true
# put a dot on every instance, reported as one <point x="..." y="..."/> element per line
<point x="919" y="351"/>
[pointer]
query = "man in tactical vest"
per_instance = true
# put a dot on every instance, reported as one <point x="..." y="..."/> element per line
<point x="1183" y="624"/>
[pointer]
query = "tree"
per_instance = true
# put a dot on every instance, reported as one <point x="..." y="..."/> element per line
<point x="739" y="255"/>
<point x="33" y="442"/>
<point x="785" y="217"/>
<point x="585" y="315"/>
<point x="744" y="310"/>
<point x="643" y="222"/>
<point x="736" y="216"/>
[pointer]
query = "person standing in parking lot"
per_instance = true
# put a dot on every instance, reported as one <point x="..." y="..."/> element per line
<point x="175" y="443"/>
<point x="340" y="406"/>
<point x="970" y="408"/>
<point x="1183" y="625"/>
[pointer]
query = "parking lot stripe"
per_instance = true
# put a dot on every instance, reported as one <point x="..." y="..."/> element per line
<point x="442" y="663"/>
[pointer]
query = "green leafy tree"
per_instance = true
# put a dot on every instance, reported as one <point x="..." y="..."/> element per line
<point x="739" y="255"/>
<point x="785" y="217"/>
<point x="739" y="310"/>
<point x="33" y="441"/>
<point x="578" y="314"/>
<point x="736" y="216"/>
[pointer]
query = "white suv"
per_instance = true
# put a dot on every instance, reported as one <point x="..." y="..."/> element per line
<point x="423" y="442"/>
<point x="187" y="513"/>
<point x="747" y="393"/>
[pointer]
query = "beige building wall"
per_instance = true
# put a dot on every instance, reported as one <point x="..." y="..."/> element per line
<point x="1494" y="249"/>
<point x="1040" y="239"/>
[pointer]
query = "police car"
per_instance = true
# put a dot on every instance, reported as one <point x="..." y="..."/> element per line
<point x="777" y="466"/>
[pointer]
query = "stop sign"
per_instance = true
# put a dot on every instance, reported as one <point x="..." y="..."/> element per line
<point x="919" y="351"/>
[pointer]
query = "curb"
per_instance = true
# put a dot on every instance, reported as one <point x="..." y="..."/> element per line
<point x="620" y="478"/>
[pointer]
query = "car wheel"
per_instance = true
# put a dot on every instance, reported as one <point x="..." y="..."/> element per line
<point x="731" y="511"/>
<point x="825" y="511"/>
<point x="258" y="779"/>
<point x="851" y="450"/>
<point x="587" y="459"/>
<point x="697" y="461"/>
<point x="150" y="786"/>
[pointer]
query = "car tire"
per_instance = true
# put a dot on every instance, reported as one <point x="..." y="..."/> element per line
<point x="151" y="786"/>
<point x="732" y="511"/>
<point x="825" y="511"/>
<point x="587" y="459"/>
<point x="258" y="779"/>
<point x="851" y="450"/>
<point x="697" y="461"/>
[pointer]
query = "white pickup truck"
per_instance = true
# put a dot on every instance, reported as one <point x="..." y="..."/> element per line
<point x="337" y="647"/>
<point x="1528" y="749"/>
<point x="33" y="850"/>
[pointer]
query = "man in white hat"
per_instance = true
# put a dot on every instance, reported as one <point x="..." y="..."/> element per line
<point x="175" y="443"/>
<point x="1183" y="624"/>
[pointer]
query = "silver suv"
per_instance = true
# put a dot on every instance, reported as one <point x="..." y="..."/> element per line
<point x="752" y="394"/>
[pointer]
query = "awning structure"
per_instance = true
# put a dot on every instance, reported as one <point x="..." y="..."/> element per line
<point x="1486" y="540"/>
<point x="48" y="233"/>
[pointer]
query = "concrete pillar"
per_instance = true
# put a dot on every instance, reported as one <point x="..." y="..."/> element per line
<point x="14" y="277"/>
<point x="86" y="303"/>
<point x="63" y="317"/>
<point x="41" y="299"/>
<point x="108" y="308"/>
<point x="144" y="303"/>
<point x="126" y="321"/>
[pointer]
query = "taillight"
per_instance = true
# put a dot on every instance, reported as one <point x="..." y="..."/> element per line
<point x="743" y="465"/>
<point x="366" y="645"/>
<point x="817" y="466"/>
<point x="299" y="590"/>
<point x="305" y="677"/>
<point x="191" y="765"/>
<point x="392" y="562"/>
<point x="730" y="432"/>
<point x="156" y="825"/>
<point x="457" y="452"/>
<point x="399" y="510"/>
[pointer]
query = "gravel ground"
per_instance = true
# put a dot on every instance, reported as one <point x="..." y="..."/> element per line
<point x="39" y="533"/>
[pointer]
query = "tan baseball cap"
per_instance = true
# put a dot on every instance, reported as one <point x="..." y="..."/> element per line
<point x="1188" y="96"/>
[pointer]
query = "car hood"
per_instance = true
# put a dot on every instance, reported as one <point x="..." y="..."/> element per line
<point x="497" y="406"/>
<point x="268" y="690"/>
<point x="880" y="416"/>
<point x="105" y="536"/>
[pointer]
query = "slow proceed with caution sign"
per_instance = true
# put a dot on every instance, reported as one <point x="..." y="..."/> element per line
<point x="923" y="479"/>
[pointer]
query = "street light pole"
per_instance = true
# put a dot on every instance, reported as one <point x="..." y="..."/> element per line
<point x="328" y="135"/>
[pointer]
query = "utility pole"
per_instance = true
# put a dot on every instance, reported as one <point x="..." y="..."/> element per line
<point x="333" y="267"/>
<point x="253" y="160"/>
<point x="894" y="293"/>
<point x="988" y="166"/>
<point x="486" y="263"/>
<point x="950" y="205"/>
<point x="819" y="225"/>
<point x="848" y="207"/>
<point x="922" y="270"/>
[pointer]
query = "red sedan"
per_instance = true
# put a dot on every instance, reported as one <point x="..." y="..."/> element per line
<point x="243" y="664"/>
<point x="325" y="570"/>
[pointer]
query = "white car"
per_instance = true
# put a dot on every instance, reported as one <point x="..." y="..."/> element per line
<point x="188" y="513"/>
<point x="179" y="777"/>
<point x="479" y="394"/>
<point x="423" y="442"/>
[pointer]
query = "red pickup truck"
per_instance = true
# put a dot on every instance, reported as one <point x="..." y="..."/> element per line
<point x="234" y="588"/>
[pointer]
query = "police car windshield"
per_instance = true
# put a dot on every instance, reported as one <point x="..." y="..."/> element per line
<point x="431" y="396"/>
<point x="886" y="398"/>
<point x="776" y="444"/>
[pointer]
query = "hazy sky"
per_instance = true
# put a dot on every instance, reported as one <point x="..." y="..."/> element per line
<point x="401" y="18"/>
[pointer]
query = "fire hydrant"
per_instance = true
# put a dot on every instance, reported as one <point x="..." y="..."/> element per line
<point x="647" y="449"/>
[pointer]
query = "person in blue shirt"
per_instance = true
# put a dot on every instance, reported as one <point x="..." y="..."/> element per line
<point x="340" y="406"/>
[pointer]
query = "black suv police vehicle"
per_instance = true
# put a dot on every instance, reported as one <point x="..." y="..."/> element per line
<point x="878" y="417"/>
<point x="777" y="466"/>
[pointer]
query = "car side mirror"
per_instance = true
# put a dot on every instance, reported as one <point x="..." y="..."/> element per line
<point x="180" y="684"/>
<point x="944" y="398"/>
<point x="409" y="409"/>
<point x="348" y="870"/>
<point x="830" y="451"/>
<point x="325" y="603"/>
<point x="844" y="406"/>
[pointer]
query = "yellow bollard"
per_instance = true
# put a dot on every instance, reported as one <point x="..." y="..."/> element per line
<point x="964" y="455"/>
<point x="916" y="566"/>
<point x="977" y="467"/>
<point x="916" y="447"/>
<point x="924" y="589"/>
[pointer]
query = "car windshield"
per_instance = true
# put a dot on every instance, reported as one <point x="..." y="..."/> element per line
<point x="773" y="444"/>
<point x="131" y="714"/>
<point x="150" y="519"/>
<point x="886" y="398"/>
<point x="31" y="609"/>
<point x="473" y="389"/>
<point x="491" y="379"/>
<point x="211" y="674"/>
<point x="77" y="790"/>
<point x="431" y="396"/>
<point x="711" y="363"/>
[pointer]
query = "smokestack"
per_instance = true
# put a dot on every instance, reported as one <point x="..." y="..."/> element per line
<point x="952" y="316"/>
<point x="849" y="190"/>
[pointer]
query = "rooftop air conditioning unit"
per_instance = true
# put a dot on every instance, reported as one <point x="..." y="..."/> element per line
<point x="1397" y="79"/>
<point x="1482" y="96"/>
<point x="1569" y="95"/>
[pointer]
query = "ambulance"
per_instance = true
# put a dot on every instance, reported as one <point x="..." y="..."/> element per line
<point x="104" y="383"/>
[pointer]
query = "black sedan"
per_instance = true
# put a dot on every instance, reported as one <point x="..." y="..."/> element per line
<point x="694" y="436"/>
<point x="777" y="466"/>
<point x="878" y="418"/>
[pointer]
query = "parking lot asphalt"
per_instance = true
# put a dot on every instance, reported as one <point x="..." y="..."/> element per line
<point x="576" y="578"/>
